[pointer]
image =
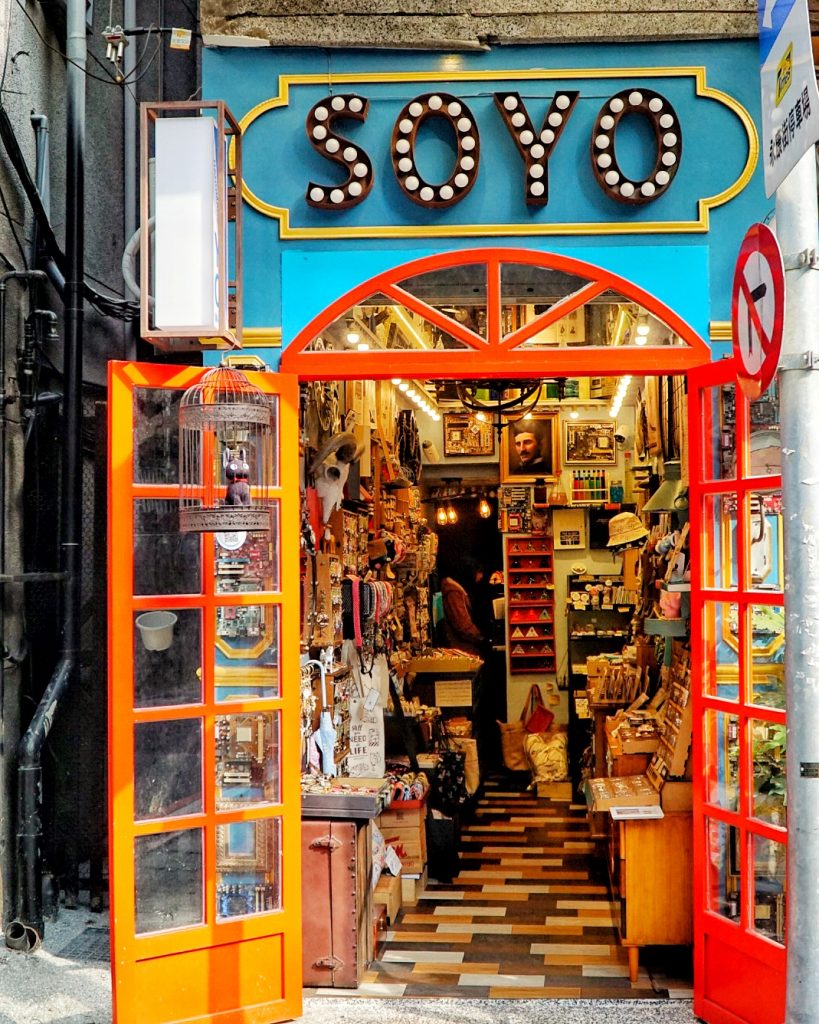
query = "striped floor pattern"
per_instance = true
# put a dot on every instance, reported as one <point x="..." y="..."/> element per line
<point x="528" y="916"/>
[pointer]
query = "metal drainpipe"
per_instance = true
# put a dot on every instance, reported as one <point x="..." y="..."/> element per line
<point x="39" y="122"/>
<point x="7" y="861"/>
<point x="29" y="826"/>
<point x="796" y="229"/>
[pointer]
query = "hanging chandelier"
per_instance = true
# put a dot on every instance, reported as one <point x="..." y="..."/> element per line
<point x="503" y="402"/>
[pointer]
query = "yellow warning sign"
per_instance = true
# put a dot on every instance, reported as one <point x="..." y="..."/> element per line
<point x="784" y="73"/>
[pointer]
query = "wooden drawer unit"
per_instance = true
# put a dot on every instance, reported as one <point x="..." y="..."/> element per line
<point x="650" y="867"/>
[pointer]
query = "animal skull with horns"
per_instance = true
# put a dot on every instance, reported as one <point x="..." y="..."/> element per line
<point x="331" y="467"/>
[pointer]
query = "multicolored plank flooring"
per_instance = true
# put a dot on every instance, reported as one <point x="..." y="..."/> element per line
<point x="528" y="916"/>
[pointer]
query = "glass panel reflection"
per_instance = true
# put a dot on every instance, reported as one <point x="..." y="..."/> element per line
<point x="167" y="768"/>
<point x="722" y="758"/>
<point x="719" y="435"/>
<point x="248" y="867"/>
<point x="248" y="562"/>
<point x="379" y="324"/>
<point x="165" y="560"/>
<point x="768" y="682"/>
<point x="769" y="888"/>
<point x="168" y="868"/>
<point x="723" y="878"/>
<point x="721" y="660"/>
<point x="769" y="747"/>
<point x="766" y="557"/>
<point x="172" y="674"/>
<point x="457" y="292"/>
<point x="719" y="555"/>
<point x="247" y="651"/>
<point x="766" y="450"/>
<point x="156" y="435"/>
<point x="247" y="759"/>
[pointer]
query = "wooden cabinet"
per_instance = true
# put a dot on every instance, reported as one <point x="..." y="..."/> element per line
<point x="650" y="867"/>
<point x="337" y="902"/>
<point x="530" y="595"/>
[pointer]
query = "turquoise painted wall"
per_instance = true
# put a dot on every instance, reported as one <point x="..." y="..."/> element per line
<point x="286" y="282"/>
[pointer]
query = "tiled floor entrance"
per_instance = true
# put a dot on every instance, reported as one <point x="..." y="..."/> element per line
<point x="528" y="916"/>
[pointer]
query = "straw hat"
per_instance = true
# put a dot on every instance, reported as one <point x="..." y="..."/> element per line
<point x="625" y="528"/>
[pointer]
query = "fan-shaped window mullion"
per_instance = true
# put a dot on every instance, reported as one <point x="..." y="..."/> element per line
<point x="556" y="312"/>
<point x="435" y="316"/>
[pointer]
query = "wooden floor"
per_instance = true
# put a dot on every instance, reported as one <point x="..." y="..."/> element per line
<point x="528" y="916"/>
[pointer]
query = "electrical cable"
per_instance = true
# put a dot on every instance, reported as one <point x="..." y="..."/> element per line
<point x="108" y="80"/>
<point x="106" y="305"/>
<point x="13" y="227"/>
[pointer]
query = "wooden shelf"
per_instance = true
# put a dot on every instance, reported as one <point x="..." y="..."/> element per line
<point x="536" y="578"/>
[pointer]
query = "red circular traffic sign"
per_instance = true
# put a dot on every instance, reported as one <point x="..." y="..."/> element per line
<point x="758" y="309"/>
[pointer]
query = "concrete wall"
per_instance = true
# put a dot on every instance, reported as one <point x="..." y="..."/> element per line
<point x="32" y="44"/>
<point x="469" y="24"/>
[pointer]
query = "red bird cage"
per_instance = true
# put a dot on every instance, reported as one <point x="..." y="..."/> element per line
<point x="226" y="435"/>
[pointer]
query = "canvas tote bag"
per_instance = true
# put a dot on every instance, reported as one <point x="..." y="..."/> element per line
<point x="513" y="733"/>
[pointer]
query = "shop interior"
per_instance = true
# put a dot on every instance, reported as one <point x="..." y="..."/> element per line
<point x="496" y="711"/>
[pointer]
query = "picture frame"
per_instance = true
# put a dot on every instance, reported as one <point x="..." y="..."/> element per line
<point x="529" y="449"/>
<point x="569" y="528"/>
<point x="244" y="846"/>
<point x="589" y="443"/>
<point x="464" y="435"/>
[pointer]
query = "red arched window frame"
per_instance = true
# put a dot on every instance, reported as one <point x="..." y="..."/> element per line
<point x="494" y="355"/>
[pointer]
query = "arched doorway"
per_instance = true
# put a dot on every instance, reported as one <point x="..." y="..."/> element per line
<point x="496" y="347"/>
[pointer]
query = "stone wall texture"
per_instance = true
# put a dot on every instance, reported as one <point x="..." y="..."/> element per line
<point x="472" y="24"/>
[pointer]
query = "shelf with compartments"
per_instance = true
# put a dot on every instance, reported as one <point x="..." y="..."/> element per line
<point x="530" y="603"/>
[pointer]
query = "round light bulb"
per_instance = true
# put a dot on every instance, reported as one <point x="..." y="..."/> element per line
<point x="396" y="381"/>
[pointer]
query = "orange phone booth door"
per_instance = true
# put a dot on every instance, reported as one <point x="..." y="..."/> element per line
<point x="738" y="641"/>
<point x="204" y="744"/>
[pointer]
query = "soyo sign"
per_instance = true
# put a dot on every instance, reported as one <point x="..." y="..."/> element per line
<point x="790" y="101"/>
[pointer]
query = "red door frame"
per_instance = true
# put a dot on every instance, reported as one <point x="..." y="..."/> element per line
<point x="719" y="988"/>
<point x="739" y="973"/>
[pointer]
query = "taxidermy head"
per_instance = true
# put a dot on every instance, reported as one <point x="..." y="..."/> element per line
<point x="330" y="469"/>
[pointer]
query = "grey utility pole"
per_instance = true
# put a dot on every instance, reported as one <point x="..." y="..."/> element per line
<point x="796" y="230"/>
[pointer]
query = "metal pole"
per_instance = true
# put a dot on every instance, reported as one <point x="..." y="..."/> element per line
<point x="796" y="229"/>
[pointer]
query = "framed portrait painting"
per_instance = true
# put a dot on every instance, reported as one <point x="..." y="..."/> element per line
<point x="529" y="449"/>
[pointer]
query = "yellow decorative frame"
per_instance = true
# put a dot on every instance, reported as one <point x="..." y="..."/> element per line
<point x="701" y="224"/>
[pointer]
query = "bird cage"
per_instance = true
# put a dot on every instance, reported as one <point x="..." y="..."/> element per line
<point x="226" y="446"/>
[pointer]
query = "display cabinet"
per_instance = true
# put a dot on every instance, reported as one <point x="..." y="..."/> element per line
<point x="530" y="620"/>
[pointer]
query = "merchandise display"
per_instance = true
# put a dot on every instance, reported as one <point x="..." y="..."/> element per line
<point x="373" y="569"/>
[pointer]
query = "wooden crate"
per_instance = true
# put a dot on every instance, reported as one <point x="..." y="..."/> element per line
<point x="388" y="894"/>
<point x="412" y="886"/>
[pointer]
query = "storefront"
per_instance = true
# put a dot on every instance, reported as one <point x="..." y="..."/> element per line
<point x="565" y="216"/>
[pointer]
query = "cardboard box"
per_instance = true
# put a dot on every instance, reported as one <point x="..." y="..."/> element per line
<point x="677" y="796"/>
<point x="388" y="893"/>
<point x="403" y="814"/>
<point x="554" y="790"/>
<point x="628" y="791"/>
<point x="412" y="886"/>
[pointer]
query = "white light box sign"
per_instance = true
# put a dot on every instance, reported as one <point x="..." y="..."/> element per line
<point x="186" y="230"/>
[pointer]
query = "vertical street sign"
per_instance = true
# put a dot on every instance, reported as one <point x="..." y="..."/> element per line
<point x="790" y="101"/>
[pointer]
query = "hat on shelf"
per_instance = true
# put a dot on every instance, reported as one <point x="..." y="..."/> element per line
<point x="669" y="495"/>
<point x="625" y="528"/>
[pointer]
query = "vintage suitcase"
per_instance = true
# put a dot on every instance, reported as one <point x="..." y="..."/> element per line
<point x="337" y="929"/>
